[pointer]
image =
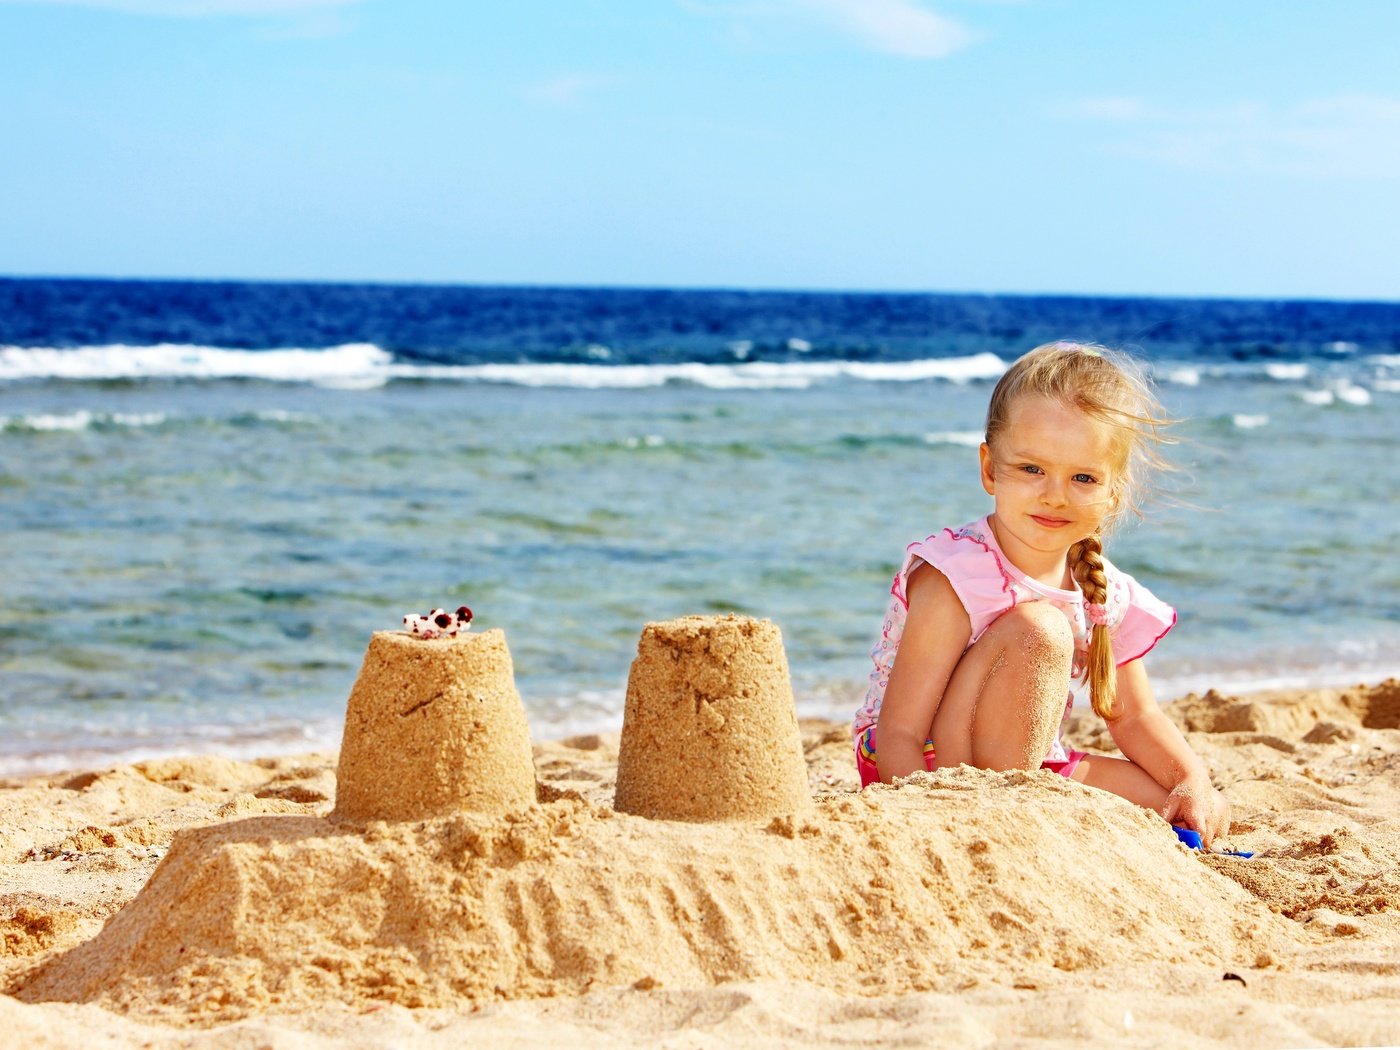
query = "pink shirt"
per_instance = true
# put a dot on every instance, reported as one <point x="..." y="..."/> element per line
<point x="988" y="585"/>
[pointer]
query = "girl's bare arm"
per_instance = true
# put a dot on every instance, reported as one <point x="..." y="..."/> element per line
<point x="1150" y="739"/>
<point x="936" y="632"/>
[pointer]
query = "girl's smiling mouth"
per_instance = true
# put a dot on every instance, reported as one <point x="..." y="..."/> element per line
<point x="1049" y="523"/>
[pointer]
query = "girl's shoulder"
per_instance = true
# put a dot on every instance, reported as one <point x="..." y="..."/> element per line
<point x="1137" y="618"/>
<point x="974" y="569"/>
<point x="965" y="552"/>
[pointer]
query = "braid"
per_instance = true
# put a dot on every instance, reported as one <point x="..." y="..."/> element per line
<point x="1086" y="565"/>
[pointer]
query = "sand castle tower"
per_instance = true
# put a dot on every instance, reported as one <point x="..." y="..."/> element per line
<point x="710" y="730"/>
<point x="434" y="726"/>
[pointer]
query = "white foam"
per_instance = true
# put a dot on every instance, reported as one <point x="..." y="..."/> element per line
<point x="752" y="375"/>
<point x="1343" y="390"/>
<point x="595" y="377"/>
<point x="1247" y="422"/>
<point x="1353" y="394"/>
<point x="954" y="369"/>
<point x="1183" y="376"/>
<point x="177" y="361"/>
<point x="968" y="438"/>
<point x="1286" y="373"/>
<point x="81" y="419"/>
<point x="138" y="419"/>
<point x="363" y="366"/>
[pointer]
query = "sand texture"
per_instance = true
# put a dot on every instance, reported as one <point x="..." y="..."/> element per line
<point x="710" y="729"/>
<point x="209" y="903"/>
<point x="434" y="727"/>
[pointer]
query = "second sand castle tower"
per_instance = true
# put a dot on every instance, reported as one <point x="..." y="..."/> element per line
<point x="710" y="729"/>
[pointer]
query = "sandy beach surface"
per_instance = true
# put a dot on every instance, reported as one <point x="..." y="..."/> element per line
<point x="206" y="902"/>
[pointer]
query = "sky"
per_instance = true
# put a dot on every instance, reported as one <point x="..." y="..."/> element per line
<point x="1241" y="149"/>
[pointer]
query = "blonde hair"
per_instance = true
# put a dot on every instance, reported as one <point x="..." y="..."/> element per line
<point x="1110" y="387"/>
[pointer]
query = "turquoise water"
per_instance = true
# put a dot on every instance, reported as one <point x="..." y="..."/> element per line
<point x="197" y="564"/>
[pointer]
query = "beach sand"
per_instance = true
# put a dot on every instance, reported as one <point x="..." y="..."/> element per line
<point x="205" y="902"/>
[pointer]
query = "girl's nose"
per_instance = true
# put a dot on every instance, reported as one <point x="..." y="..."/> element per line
<point x="1055" y="493"/>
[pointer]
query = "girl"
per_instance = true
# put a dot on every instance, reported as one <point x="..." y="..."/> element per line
<point x="989" y="622"/>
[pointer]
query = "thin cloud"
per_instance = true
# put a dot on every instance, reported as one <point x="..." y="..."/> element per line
<point x="197" y="8"/>
<point x="569" y="89"/>
<point x="1342" y="136"/>
<point x="1114" y="107"/>
<point x="893" y="27"/>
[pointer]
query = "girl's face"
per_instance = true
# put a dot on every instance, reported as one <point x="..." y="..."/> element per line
<point x="1053" y="474"/>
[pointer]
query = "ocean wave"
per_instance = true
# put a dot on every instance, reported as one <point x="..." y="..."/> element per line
<point x="1181" y="375"/>
<point x="365" y="366"/>
<point x="80" y="420"/>
<point x="754" y="375"/>
<point x="966" y="438"/>
<point x="357" y="366"/>
<point x="1193" y="373"/>
<point x="85" y="419"/>
<point x="1316" y="374"/>
<point x="1343" y="392"/>
<point x="353" y="362"/>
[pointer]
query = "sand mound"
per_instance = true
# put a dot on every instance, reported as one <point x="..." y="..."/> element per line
<point x="202" y="770"/>
<point x="1312" y="779"/>
<point x="434" y="727"/>
<point x="1289" y="716"/>
<point x="709" y="731"/>
<point x="892" y="890"/>
<point x="1379" y="706"/>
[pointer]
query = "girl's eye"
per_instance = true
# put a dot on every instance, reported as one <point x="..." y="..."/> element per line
<point x="1086" y="479"/>
<point x="1030" y="468"/>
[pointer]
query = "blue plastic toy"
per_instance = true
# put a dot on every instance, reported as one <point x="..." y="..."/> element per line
<point x="1192" y="840"/>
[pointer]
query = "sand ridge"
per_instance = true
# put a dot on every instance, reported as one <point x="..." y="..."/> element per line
<point x="569" y="895"/>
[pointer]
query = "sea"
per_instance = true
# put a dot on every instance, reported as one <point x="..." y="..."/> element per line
<point x="211" y="493"/>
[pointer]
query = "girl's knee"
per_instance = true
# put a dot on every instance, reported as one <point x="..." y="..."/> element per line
<point x="1039" y="629"/>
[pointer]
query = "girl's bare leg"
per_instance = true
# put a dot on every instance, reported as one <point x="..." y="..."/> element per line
<point x="1005" y="699"/>
<point x="1123" y="778"/>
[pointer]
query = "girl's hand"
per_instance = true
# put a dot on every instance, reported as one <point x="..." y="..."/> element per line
<point x="1195" y="804"/>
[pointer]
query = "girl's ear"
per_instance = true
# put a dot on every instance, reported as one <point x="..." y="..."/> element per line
<point x="989" y="481"/>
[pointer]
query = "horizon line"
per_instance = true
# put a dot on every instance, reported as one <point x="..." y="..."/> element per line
<point x="701" y="288"/>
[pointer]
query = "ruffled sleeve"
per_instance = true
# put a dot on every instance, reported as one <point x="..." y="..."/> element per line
<point x="971" y="566"/>
<point x="1144" y="621"/>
